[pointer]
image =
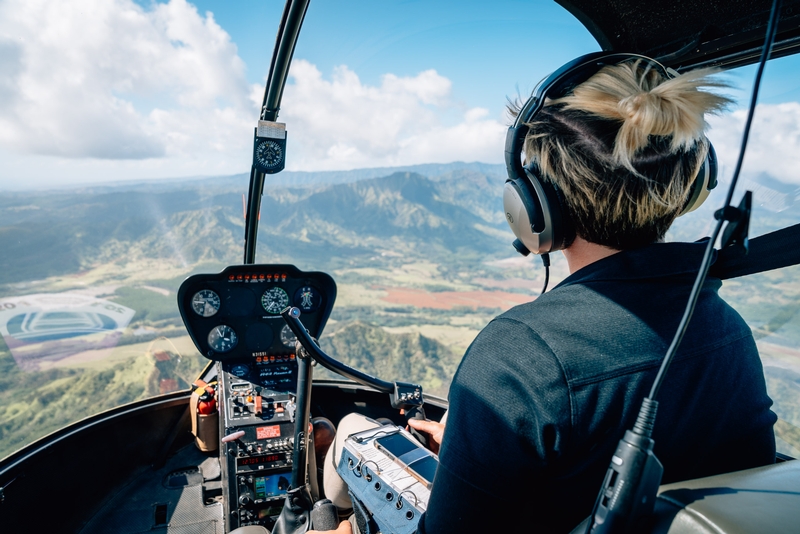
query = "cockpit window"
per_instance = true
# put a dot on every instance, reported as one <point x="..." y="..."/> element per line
<point x="769" y="302"/>
<point x="126" y="156"/>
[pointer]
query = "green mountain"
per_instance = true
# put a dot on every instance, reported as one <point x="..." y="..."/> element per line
<point x="436" y="230"/>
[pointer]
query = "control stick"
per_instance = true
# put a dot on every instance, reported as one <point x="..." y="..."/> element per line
<point x="324" y="516"/>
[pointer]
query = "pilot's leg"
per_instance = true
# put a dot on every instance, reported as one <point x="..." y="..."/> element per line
<point x="335" y="488"/>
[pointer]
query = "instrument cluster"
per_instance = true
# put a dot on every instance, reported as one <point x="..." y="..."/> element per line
<point x="235" y="315"/>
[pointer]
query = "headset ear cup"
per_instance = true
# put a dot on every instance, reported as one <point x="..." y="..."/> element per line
<point x="704" y="182"/>
<point x="536" y="213"/>
<point x="524" y="215"/>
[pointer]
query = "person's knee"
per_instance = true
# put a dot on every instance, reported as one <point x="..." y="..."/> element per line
<point x="333" y="485"/>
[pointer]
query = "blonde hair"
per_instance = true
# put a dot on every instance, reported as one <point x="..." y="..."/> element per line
<point x="624" y="148"/>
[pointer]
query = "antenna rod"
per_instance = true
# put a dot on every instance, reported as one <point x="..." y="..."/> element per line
<point x="630" y="488"/>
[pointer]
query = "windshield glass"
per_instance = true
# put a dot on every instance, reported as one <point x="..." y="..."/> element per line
<point x="125" y="132"/>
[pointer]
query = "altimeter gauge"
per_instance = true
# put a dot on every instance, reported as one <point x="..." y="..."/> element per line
<point x="222" y="338"/>
<point x="275" y="300"/>
<point x="205" y="303"/>
<point x="287" y="337"/>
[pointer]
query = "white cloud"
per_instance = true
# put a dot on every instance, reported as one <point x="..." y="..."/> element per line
<point x="107" y="79"/>
<point x="774" y="144"/>
<point x="92" y="90"/>
<point x="342" y="123"/>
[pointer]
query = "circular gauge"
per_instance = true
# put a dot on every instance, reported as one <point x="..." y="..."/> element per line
<point x="240" y="370"/>
<point x="205" y="303"/>
<point x="287" y="337"/>
<point x="269" y="153"/>
<point x="308" y="299"/>
<point x="275" y="300"/>
<point x="222" y="338"/>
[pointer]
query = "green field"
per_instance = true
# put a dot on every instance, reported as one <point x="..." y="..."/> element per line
<point x="422" y="264"/>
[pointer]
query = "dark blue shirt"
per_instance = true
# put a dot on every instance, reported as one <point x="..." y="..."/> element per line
<point x="547" y="389"/>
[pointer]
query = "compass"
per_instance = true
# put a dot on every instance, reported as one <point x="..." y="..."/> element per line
<point x="268" y="155"/>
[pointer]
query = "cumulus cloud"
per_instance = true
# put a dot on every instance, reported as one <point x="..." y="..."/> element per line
<point x="108" y="79"/>
<point x="113" y="88"/>
<point x="774" y="144"/>
<point x="342" y="123"/>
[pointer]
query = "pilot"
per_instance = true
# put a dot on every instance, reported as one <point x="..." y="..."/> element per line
<point x="547" y="389"/>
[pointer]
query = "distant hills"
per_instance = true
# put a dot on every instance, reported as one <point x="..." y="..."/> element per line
<point x="46" y="234"/>
<point x="435" y="228"/>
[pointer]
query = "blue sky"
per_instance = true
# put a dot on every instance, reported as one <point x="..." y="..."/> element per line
<point x="100" y="90"/>
<point x="485" y="48"/>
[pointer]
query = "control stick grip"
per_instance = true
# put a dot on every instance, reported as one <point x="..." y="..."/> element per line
<point x="324" y="516"/>
<point x="417" y="412"/>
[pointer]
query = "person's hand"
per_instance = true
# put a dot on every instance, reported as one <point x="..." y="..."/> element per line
<point x="432" y="428"/>
<point x="344" y="528"/>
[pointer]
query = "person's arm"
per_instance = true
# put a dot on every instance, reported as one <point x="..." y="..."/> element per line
<point x="509" y="408"/>
<point x="433" y="429"/>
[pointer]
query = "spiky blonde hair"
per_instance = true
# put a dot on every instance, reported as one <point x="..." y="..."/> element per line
<point x="624" y="148"/>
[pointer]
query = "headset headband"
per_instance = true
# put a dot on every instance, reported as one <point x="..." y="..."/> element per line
<point x="533" y="205"/>
<point x="557" y="85"/>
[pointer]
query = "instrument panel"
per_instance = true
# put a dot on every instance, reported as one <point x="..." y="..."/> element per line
<point x="235" y="315"/>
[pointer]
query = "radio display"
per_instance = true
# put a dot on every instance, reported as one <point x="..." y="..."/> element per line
<point x="260" y="460"/>
<point x="275" y="485"/>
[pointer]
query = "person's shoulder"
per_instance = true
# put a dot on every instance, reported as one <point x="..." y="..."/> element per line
<point x="511" y="344"/>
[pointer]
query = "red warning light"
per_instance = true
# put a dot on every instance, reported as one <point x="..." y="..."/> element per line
<point x="231" y="277"/>
<point x="239" y="277"/>
<point x="291" y="356"/>
<point x="261" y="276"/>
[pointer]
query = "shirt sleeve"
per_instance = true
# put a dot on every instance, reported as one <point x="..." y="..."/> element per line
<point x="508" y="422"/>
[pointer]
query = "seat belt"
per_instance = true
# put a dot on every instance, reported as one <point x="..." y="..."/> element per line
<point x="767" y="252"/>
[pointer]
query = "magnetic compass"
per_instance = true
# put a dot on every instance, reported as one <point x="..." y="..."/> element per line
<point x="222" y="338"/>
<point x="268" y="155"/>
<point x="275" y="300"/>
<point x="205" y="303"/>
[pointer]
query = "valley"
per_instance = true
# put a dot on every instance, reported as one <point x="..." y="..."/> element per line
<point x="421" y="257"/>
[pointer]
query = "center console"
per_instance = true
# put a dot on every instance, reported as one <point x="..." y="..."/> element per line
<point x="234" y="318"/>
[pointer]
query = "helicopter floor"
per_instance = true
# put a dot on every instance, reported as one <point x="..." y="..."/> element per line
<point x="182" y="497"/>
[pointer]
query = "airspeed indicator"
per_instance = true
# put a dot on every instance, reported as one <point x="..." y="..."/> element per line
<point x="275" y="300"/>
<point x="205" y="303"/>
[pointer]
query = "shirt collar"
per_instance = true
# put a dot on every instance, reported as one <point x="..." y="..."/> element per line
<point x="652" y="261"/>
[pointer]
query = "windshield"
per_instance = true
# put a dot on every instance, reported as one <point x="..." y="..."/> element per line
<point x="125" y="133"/>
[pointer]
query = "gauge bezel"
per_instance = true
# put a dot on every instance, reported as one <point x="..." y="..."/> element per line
<point x="271" y="291"/>
<point x="284" y="339"/>
<point x="205" y="303"/>
<point x="217" y="329"/>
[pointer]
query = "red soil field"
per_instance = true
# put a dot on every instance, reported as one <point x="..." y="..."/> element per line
<point x="446" y="300"/>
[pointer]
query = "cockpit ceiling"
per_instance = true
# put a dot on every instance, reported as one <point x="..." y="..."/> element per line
<point x="689" y="33"/>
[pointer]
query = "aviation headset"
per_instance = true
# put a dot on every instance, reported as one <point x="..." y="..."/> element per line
<point x="534" y="207"/>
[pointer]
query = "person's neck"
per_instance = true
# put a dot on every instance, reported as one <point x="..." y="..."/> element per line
<point x="582" y="253"/>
